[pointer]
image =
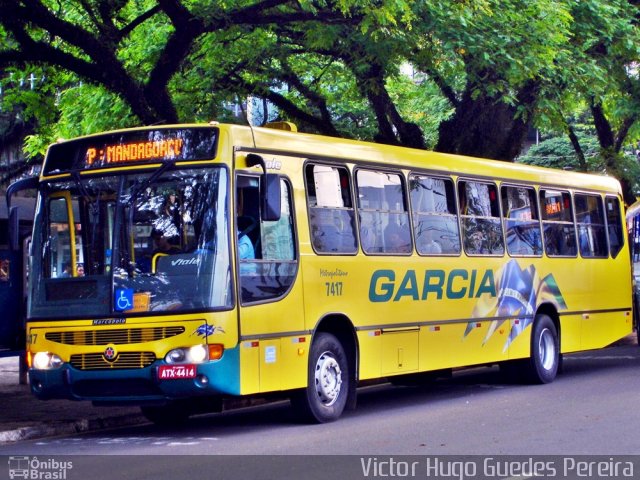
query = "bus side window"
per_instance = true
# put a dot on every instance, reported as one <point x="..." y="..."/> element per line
<point x="592" y="236"/>
<point x="433" y="207"/>
<point x="65" y="239"/>
<point x="382" y="208"/>
<point x="331" y="212"/>
<point x="557" y="224"/>
<point x="480" y="215"/>
<point x="522" y="223"/>
<point x="247" y="217"/>
<point x="614" y="225"/>
<point x="272" y="275"/>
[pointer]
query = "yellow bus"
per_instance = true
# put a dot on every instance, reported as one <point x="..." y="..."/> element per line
<point x="633" y="228"/>
<point x="172" y="267"/>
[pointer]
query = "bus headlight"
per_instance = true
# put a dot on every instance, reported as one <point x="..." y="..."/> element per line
<point x="194" y="354"/>
<point x="46" y="361"/>
<point x="198" y="354"/>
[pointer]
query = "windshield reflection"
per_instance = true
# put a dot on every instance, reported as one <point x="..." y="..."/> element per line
<point x="146" y="242"/>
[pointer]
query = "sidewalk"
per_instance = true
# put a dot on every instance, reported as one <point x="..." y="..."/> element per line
<point x="24" y="417"/>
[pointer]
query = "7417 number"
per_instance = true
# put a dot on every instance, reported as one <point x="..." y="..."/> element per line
<point x="334" y="289"/>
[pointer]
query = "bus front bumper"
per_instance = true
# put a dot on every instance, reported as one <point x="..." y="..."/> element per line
<point x="137" y="386"/>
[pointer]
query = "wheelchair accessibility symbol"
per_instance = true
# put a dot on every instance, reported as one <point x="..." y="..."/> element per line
<point x="123" y="299"/>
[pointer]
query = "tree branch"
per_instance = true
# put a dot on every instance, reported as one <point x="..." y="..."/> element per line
<point x="125" y="31"/>
<point x="621" y="136"/>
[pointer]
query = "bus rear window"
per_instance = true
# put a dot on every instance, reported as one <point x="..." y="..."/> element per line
<point x="557" y="223"/>
<point x="592" y="236"/>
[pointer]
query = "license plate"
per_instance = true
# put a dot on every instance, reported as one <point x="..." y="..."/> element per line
<point x="176" y="372"/>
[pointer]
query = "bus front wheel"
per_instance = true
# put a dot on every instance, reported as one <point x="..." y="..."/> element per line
<point x="544" y="362"/>
<point x="325" y="397"/>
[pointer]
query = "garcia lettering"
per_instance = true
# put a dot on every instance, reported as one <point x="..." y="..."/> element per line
<point x="387" y="285"/>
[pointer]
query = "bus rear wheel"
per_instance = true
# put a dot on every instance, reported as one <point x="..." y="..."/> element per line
<point x="544" y="362"/>
<point x="325" y="397"/>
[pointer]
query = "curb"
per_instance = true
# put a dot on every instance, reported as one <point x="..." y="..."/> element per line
<point x="69" y="428"/>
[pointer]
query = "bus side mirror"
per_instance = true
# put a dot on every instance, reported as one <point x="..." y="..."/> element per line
<point x="270" y="197"/>
<point x="269" y="190"/>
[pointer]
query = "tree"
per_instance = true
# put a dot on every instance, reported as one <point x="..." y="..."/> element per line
<point x="599" y="73"/>
<point x="483" y="70"/>
<point x="489" y="59"/>
<point x="94" y="40"/>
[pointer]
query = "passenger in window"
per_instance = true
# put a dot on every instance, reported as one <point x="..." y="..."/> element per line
<point x="368" y="238"/>
<point x="247" y="253"/>
<point x="162" y="244"/>
<point x="171" y="208"/>
<point x="67" y="272"/>
<point x="430" y="246"/>
<point x="326" y="236"/>
<point x="397" y="239"/>
<point x="245" y="248"/>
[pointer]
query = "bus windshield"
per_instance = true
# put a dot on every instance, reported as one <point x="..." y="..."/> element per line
<point x="134" y="243"/>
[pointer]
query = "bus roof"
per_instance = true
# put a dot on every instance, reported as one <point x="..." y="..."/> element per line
<point x="323" y="147"/>
<point x="409" y="158"/>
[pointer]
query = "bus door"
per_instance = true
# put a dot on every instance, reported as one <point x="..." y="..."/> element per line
<point x="11" y="294"/>
<point x="633" y="225"/>
<point x="15" y="232"/>
<point x="273" y="347"/>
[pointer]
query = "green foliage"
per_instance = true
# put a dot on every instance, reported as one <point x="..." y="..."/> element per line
<point x="86" y="109"/>
<point x="422" y="103"/>
<point x="37" y="103"/>
<point x="81" y="109"/>
<point x="557" y="152"/>
<point x="325" y="64"/>
<point x="496" y="44"/>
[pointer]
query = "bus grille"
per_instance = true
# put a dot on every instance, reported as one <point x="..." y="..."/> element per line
<point x="96" y="361"/>
<point x="121" y="336"/>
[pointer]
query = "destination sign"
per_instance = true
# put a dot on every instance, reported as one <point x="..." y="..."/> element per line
<point x="553" y="207"/>
<point x="132" y="147"/>
<point x="134" y="152"/>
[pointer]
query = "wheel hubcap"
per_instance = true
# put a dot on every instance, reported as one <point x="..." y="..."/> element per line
<point x="547" y="349"/>
<point x="328" y="378"/>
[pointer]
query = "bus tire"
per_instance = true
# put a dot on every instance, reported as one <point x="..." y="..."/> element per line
<point x="325" y="397"/>
<point x="170" y="415"/>
<point x="544" y="362"/>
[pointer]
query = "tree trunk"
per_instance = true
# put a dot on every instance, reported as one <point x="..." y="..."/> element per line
<point x="487" y="127"/>
<point x="575" y="142"/>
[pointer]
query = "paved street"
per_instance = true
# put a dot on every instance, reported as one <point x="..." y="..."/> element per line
<point x="588" y="410"/>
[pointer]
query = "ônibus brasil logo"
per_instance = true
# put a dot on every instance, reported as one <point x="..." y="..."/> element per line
<point x="34" y="468"/>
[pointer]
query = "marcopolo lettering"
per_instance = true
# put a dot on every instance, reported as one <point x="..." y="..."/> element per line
<point x="388" y="285"/>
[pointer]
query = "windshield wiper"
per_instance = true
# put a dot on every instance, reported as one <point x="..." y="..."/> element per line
<point x="138" y="187"/>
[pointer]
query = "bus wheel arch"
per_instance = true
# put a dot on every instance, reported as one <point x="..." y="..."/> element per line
<point x="332" y="372"/>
